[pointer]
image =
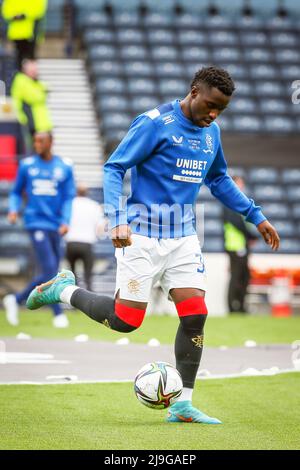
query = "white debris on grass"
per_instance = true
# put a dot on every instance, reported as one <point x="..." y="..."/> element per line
<point x="250" y="343"/>
<point x="23" y="336"/>
<point x="153" y="343"/>
<point x="81" y="338"/>
<point x="122" y="342"/>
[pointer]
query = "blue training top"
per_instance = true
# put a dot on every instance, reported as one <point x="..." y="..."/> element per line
<point x="170" y="159"/>
<point x="49" y="187"/>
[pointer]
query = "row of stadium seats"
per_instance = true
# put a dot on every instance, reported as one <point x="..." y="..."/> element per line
<point x="278" y="191"/>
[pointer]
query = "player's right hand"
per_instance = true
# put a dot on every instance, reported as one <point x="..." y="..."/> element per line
<point x="121" y="236"/>
<point x="12" y="217"/>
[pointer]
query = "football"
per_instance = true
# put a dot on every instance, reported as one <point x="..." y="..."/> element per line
<point x="158" y="385"/>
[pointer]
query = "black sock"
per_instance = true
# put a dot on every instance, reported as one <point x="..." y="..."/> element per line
<point x="100" y="308"/>
<point x="189" y="347"/>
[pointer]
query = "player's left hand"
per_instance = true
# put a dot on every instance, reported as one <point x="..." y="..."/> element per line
<point x="269" y="234"/>
<point x="63" y="229"/>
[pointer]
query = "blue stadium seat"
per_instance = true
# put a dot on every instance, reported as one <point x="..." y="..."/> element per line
<point x="280" y="124"/>
<point x="296" y="211"/>
<point x="138" y="69"/>
<point x="225" y="122"/>
<point x="130" y="36"/>
<point x="243" y="88"/>
<point x="113" y="103"/>
<point x="164" y="53"/>
<point x="188" y="21"/>
<point x="120" y="5"/>
<point x="114" y="136"/>
<point x="98" y="36"/>
<point x="268" y="193"/>
<point x="284" y="39"/>
<point x="293" y="193"/>
<point x="205" y="195"/>
<point x="170" y="70"/>
<point x="3" y="205"/>
<point x="115" y="121"/>
<point x="289" y="246"/>
<point x="141" y="104"/>
<point x="5" y="187"/>
<point x="194" y="54"/>
<point x="253" y="39"/>
<point x="258" y="55"/>
<point x="270" y="106"/>
<point x="289" y="56"/>
<point x="172" y="86"/>
<point x="102" y="52"/>
<point x="291" y="72"/>
<point x="125" y="19"/>
<point x="237" y="71"/>
<point x="160" y="37"/>
<point x="213" y="244"/>
<point x="216" y="22"/>
<point x="158" y="20"/>
<point x="106" y="68"/>
<point x="263" y="175"/>
<point x="223" y="38"/>
<point x="95" y="19"/>
<point x="250" y="23"/>
<point x="165" y="7"/>
<point x="291" y="176"/>
<point x="141" y="86"/>
<point x="242" y="105"/>
<point x="238" y="171"/>
<point x="247" y="123"/>
<point x="263" y="71"/>
<point x="213" y="227"/>
<point x="279" y="23"/>
<point x="285" y="228"/>
<point x="279" y="209"/>
<point x="213" y="209"/>
<point x="110" y="85"/>
<point x="192" y="67"/>
<point x="265" y="89"/>
<point x="226" y="54"/>
<point x="192" y="37"/>
<point x="133" y="52"/>
<point x="103" y="249"/>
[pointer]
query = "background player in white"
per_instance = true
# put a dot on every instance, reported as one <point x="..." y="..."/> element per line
<point x="172" y="151"/>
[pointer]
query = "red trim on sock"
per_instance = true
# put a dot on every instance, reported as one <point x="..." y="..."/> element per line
<point x="192" y="306"/>
<point x="131" y="316"/>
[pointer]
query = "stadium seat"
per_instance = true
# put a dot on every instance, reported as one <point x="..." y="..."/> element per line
<point x="120" y="5"/>
<point x="278" y="209"/>
<point x="237" y="71"/>
<point x="296" y="211"/>
<point x="226" y="54"/>
<point x="263" y="71"/>
<point x="160" y="37"/>
<point x="263" y="89"/>
<point x="225" y="122"/>
<point x="165" y="7"/>
<point x="238" y="171"/>
<point x="125" y="19"/>
<point x="164" y="53"/>
<point x="257" y="55"/>
<point x="157" y="20"/>
<point x="213" y="244"/>
<point x="285" y="228"/>
<point x="293" y="193"/>
<point x="3" y="205"/>
<point x="243" y="88"/>
<point x="253" y="39"/>
<point x="268" y="193"/>
<point x="242" y="105"/>
<point x="213" y="227"/>
<point x="95" y="19"/>
<point x="213" y="209"/>
<point x="130" y="36"/>
<point x="263" y="9"/>
<point x="192" y="37"/>
<point x="188" y="21"/>
<point x="270" y="106"/>
<point x="102" y="52"/>
<point x="192" y="7"/>
<point x="289" y="56"/>
<point x="263" y="175"/>
<point x="289" y="246"/>
<point x="284" y="39"/>
<point x="169" y="70"/>
<point x="113" y="103"/>
<point x="110" y="85"/>
<point x="141" y="86"/>
<point x="133" y="52"/>
<point x="293" y="8"/>
<point x="290" y="72"/>
<point x="99" y="36"/>
<point x="250" y="23"/>
<point x="194" y="54"/>
<point x="171" y="86"/>
<point x="138" y="69"/>
<point x="141" y="104"/>
<point x="247" y="123"/>
<point x="115" y="121"/>
<point x="291" y="176"/>
<point x="106" y="68"/>
<point x="223" y="38"/>
<point x="280" y="124"/>
<point x="5" y="187"/>
<point x="231" y="9"/>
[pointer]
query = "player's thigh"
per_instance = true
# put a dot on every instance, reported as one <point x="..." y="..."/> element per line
<point x="135" y="270"/>
<point x="185" y="275"/>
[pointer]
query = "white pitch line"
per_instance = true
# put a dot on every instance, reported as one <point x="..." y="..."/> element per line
<point x="211" y="377"/>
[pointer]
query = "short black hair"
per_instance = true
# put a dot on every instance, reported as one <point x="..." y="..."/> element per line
<point x="215" y="77"/>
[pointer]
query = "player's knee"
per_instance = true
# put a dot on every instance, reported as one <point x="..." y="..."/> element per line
<point x="131" y="318"/>
<point x="192" y="313"/>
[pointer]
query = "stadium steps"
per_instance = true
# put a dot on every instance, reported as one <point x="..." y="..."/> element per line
<point x="76" y="134"/>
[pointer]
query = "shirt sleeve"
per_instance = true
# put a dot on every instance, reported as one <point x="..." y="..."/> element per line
<point x="68" y="194"/>
<point x="136" y="146"/>
<point x="15" y="198"/>
<point x="226" y="191"/>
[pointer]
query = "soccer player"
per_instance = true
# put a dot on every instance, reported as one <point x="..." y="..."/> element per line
<point x="48" y="183"/>
<point x="172" y="150"/>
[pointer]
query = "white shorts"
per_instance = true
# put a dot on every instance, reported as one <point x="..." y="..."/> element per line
<point x="174" y="262"/>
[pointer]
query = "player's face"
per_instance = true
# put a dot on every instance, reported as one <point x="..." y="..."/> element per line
<point x="207" y="104"/>
<point x="42" y="144"/>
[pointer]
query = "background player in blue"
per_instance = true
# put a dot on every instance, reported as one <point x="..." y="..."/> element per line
<point x="48" y="184"/>
<point x="172" y="151"/>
